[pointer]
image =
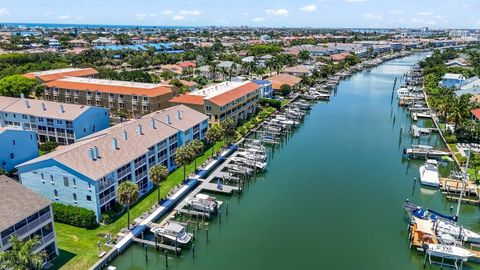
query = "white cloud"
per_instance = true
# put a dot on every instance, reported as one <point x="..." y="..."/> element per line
<point x="49" y="13"/>
<point x="258" y="19"/>
<point x="167" y="12"/>
<point x="4" y="12"/>
<point x="64" y="17"/>
<point x="373" y="16"/>
<point x="140" y="16"/>
<point x="308" y="8"/>
<point x="425" y="13"/>
<point x="189" y="13"/>
<point x="277" y="12"/>
<point x="178" y="18"/>
<point x="355" y="1"/>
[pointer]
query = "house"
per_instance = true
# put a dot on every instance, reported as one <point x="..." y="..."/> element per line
<point x="266" y="89"/>
<point x="17" y="146"/>
<point x="26" y="214"/>
<point x="175" y="69"/>
<point x="223" y="100"/>
<point x="452" y="80"/>
<point x="88" y="173"/>
<point x="262" y="60"/>
<point x="281" y="79"/>
<point x="54" y="43"/>
<point x="298" y="70"/>
<point x="78" y="43"/>
<point x="103" y="41"/>
<point x="55" y="74"/>
<point x="339" y="57"/>
<point x="134" y="98"/>
<point x="457" y="62"/>
<point x="470" y="86"/>
<point x="204" y="71"/>
<point x="187" y="64"/>
<point x="53" y="121"/>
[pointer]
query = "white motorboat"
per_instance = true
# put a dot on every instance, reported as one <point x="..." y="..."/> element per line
<point x="257" y="164"/>
<point x="252" y="155"/>
<point x="449" y="252"/>
<point x="453" y="229"/>
<point x="429" y="173"/>
<point x="203" y="203"/>
<point x="284" y="120"/>
<point x="173" y="232"/>
<point x="254" y="144"/>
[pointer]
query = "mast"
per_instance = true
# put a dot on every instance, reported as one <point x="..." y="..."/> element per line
<point x="464" y="182"/>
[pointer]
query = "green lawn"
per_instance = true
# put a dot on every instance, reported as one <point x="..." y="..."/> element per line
<point x="82" y="243"/>
<point x="455" y="151"/>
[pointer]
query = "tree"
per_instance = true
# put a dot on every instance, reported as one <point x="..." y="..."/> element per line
<point x="228" y="130"/>
<point x="197" y="147"/>
<point x="183" y="156"/>
<point x="213" y="66"/>
<point x="285" y="89"/>
<point x="214" y="134"/>
<point x="15" y="85"/>
<point x="158" y="174"/>
<point x="48" y="146"/>
<point x="21" y="255"/>
<point x="304" y="55"/>
<point x="127" y="193"/>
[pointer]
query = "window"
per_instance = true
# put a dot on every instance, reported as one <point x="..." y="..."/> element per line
<point x="40" y="119"/>
<point x="41" y="175"/>
<point x="208" y="108"/>
<point x="75" y="198"/>
<point x="12" y="155"/>
<point x="51" y="179"/>
<point x="13" y="142"/>
<point x="24" y="116"/>
<point x="74" y="183"/>
<point x="65" y="181"/>
<point x="59" y="122"/>
<point x="55" y="193"/>
<point x="89" y="198"/>
<point x="89" y="186"/>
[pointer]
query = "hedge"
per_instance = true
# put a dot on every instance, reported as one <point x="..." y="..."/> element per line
<point x="275" y="103"/>
<point x="75" y="216"/>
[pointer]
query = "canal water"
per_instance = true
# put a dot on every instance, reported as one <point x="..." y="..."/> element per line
<point x="332" y="196"/>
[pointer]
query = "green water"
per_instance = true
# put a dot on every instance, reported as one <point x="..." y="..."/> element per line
<point x="332" y="197"/>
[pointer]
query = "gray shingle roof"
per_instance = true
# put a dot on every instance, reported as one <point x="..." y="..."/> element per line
<point x="17" y="202"/>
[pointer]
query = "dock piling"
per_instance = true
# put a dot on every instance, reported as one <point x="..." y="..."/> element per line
<point x="166" y="259"/>
<point x="206" y="234"/>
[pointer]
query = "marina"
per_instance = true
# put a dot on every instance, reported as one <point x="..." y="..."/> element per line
<point x="329" y="131"/>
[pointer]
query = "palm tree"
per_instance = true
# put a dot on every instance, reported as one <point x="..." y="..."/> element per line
<point x="21" y="255"/>
<point x="127" y="195"/>
<point x="213" y="68"/>
<point x="158" y="174"/>
<point x="225" y="72"/>
<point x="270" y="64"/>
<point x="183" y="156"/>
<point x="460" y="110"/>
<point x="197" y="147"/>
<point x="214" y="134"/>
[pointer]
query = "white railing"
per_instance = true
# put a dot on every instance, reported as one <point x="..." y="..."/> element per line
<point x="28" y="228"/>
<point x="107" y="198"/>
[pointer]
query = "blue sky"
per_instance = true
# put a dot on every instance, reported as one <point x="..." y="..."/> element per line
<point x="297" y="13"/>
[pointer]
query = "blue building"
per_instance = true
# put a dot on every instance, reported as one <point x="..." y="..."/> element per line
<point x="59" y="122"/>
<point x="17" y="146"/>
<point x="87" y="173"/>
<point x="452" y="80"/>
<point x="266" y="89"/>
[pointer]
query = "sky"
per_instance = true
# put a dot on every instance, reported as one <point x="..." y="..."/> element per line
<point x="276" y="13"/>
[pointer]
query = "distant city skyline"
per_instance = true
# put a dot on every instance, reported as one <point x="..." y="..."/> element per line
<point x="279" y="13"/>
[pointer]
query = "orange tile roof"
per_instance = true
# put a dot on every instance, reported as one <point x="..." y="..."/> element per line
<point x="188" y="99"/>
<point x="476" y="113"/>
<point x="61" y="74"/>
<point x="159" y="90"/>
<point x="280" y="79"/>
<point x="234" y="94"/>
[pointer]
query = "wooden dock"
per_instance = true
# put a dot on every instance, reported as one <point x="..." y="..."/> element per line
<point x="212" y="187"/>
<point x="159" y="245"/>
<point x="451" y="188"/>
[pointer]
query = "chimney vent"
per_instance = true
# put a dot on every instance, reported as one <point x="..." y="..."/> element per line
<point x="115" y="143"/>
<point x="152" y="123"/>
<point x="168" y="119"/>
<point x="27" y="105"/>
<point x="125" y="135"/>
<point x="179" y="114"/>
<point x="91" y="153"/>
<point x="96" y="152"/>
<point x="62" y="109"/>
<point x="44" y="108"/>
<point x="139" y="130"/>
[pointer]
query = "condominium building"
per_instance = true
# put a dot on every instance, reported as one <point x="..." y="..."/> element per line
<point x="220" y="101"/>
<point x="134" y="98"/>
<point x="25" y="214"/>
<point x="53" y="121"/>
<point x="17" y="146"/>
<point x="87" y="173"/>
<point x="55" y="74"/>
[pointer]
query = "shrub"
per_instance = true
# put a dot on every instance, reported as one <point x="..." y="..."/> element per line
<point x="271" y="102"/>
<point x="451" y="138"/>
<point x="75" y="216"/>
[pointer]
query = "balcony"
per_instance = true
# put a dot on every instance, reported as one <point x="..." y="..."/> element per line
<point x="141" y="175"/>
<point x="30" y="227"/>
<point x="107" y="198"/>
<point x="105" y="184"/>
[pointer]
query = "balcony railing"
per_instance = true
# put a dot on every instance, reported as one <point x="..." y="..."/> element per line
<point x="28" y="228"/>
<point x="107" y="198"/>
<point x="106" y="184"/>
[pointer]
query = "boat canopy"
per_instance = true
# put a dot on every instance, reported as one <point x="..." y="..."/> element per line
<point x="424" y="226"/>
